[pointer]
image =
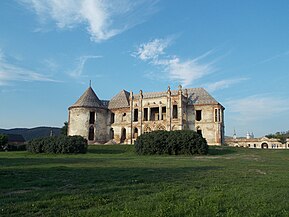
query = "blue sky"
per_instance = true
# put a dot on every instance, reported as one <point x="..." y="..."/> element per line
<point x="237" y="49"/>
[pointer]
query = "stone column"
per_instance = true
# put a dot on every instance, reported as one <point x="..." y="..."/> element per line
<point x="131" y="115"/>
<point x="180" y="107"/>
<point x="140" y="110"/>
<point x="160" y="112"/>
<point x="149" y="113"/>
<point x="169" y="109"/>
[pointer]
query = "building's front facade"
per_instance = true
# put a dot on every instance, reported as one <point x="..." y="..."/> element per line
<point x="128" y="115"/>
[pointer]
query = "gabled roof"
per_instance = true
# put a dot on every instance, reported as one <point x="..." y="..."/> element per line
<point x="121" y="100"/>
<point x="88" y="99"/>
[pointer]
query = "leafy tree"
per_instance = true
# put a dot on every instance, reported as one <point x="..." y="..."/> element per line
<point x="281" y="136"/>
<point x="64" y="129"/>
<point x="3" y="141"/>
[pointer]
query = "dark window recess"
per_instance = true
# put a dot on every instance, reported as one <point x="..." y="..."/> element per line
<point x="216" y="115"/>
<point x="135" y="115"/>
<point x="145" y="114"/>
<point x="199" y="131"/>
<point x="164" y="110"/>
<point x="198" y="115"/>
<point x="111" y="133"/>
<point x="112" y="116"/>
<point x="91" y="134"/>
<point x="154" y="114"/>
<point x="175" y="111"/>
<point x="92" y="118"/>
<point x="124" y="117"/>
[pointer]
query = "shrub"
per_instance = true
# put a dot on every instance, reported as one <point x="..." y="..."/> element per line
<point x="171" y="142"/>
<point x="58" y="145"/>
<point x="3" y="141"/>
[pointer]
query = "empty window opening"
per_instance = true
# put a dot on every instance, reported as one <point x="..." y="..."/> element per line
<point x="135" y="133"/>
<point x="219" y="115"/>
<point x="91" y="117"/>
<point x="135" y="115"/>
<point x="123" y="135"/>
<point x="124" y="117"/>
<point x="254" y="145"/>
<point x="248" y="145"/>
<point x="198" y="115"/>
<point x="111" y="133"/>
<point x="112" y="117"/>
<point x="164" y="112"/>
<point x="216" y="115"/>
<point x="91" y="133"/>
<point x="145" y="114"/>
<point x="175" y="111"/>
<point x="154" y="114"/>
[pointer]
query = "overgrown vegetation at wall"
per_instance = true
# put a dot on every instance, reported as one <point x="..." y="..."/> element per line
<point x="281" y="136"/>
<point x="171" y="142"/>
<point x="58" y="145"/>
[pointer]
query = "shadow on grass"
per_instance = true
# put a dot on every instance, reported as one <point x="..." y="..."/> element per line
<point x="221" y="151"/>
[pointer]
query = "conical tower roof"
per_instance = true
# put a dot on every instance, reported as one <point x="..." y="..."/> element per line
<point x="88" y="99"/>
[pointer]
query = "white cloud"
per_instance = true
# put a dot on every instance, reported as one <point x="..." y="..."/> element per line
<point x="152" y="50"/>
<point x="256" y="107"/>
<point x="10" y="72"/>
<point x="81" y="61"/>
<point x="183" y="71"/>
<point x="186" y="71"/>
<point x="103" y="19"/>
<point x="223" y="84"/>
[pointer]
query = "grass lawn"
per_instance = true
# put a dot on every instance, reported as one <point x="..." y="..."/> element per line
<point x="114" y="181"/>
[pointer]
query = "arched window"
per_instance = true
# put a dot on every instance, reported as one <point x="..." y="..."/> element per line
<point x="91" y="133"/>
<point x="123" y="135"/>
<point x="135" y="133"/>
<point x="111" y="133"/>
<point x="199" y="131"/>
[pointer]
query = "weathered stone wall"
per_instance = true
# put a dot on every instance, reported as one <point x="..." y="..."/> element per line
<point x="212" y="130"/>
<point x="78" y="123"/>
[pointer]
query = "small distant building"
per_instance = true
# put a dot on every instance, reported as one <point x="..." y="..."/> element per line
<point x="251" y="142"/>
<point x="126" y="116"/>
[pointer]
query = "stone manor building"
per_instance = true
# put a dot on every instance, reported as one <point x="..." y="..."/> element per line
<point x="127" y="115"/>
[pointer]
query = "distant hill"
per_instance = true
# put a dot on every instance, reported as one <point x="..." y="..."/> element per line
<point x="32" y="133"/>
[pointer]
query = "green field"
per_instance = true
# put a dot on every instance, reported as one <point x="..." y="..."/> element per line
<point x="114" y="181"/>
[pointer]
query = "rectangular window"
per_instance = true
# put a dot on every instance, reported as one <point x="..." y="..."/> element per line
<point x="164" y="112"/>
<point x="112" y="116"/>
<point x="92" y="118"/>
<point x="154" y="114"/>
<point x="124" y="117"/>
<point x="217" y="115"/>
<point x="135" y="115"/>
<point x="198" y="115"/>
<point x="145" y="114"/>
<point x="175" y="111"/>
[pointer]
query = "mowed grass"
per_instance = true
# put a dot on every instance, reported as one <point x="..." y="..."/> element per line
<point x="114" y="181"/>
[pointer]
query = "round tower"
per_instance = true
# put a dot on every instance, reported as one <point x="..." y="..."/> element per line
<point x="87" y="118"/>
